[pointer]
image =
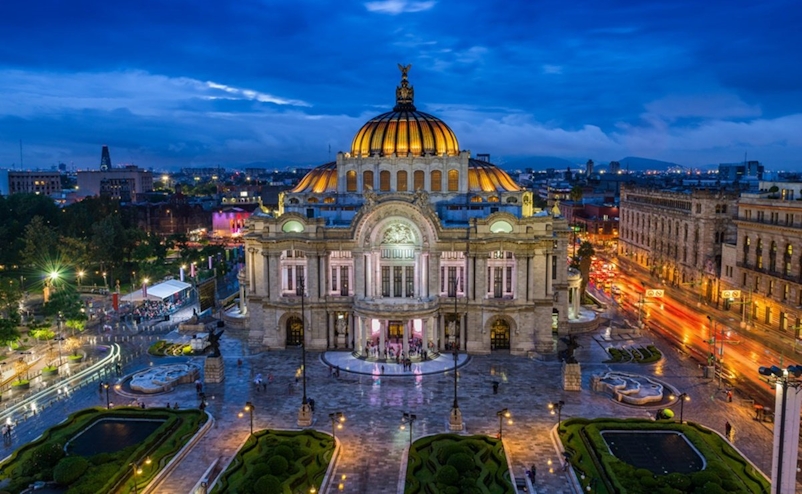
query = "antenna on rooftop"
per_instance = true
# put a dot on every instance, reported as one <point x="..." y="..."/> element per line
<point x="20" y="154"/>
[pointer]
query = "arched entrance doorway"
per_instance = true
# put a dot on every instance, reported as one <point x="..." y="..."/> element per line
<point x="500" y="335"/>
<point x="295" y="331"/>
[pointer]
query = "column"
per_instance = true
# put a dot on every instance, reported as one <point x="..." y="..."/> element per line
<point x="360" y="336"/>
<point x="358" y="281"/>
<point x="271" y="268"/>
<point x="418" y="277"/>
<point x="441" y="333"/>
<point x="406" y="332"/>
<point x="576" y="301"/>
<point x="382" y="331"/>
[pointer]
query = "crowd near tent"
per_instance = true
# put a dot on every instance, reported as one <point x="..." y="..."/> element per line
<point x="170" y="291"/>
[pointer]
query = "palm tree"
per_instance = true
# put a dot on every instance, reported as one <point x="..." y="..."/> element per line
<point x="586" y="252"/>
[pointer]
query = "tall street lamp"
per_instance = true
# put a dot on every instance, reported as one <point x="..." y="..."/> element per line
<point x="136" y="469"/>
<point x="455" y="417"/>
<point x="108" y="403"/>
<point x="337" y="419"/>
<point x="557" y="408"/>
<point x="503" y="414"/>
<point x="305" y="413"/>
<point x="720" y="358"/>
<point x="80" y="278"/>
<point x="408" y="418"/>
<point x="683" y="397"/>
<point x="783" y="470"/>
<point x="248" y="408"/>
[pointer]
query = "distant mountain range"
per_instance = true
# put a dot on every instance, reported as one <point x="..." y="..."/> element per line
<point x="633" y="163"/>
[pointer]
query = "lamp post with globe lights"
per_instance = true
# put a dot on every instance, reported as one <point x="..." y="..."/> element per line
<point x="787" y="384"/>
<point x="305" y="413"/>
<point x="557" y="408"/>
<point x="503" y="414"/>
<point x="408" y="419"/>
<point x="337" y="419"/>
<point x="682" y="397"/>
<point x="248" y="408"/>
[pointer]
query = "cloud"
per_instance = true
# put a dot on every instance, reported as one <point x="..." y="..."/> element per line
<point x="712" y="105"/>
<point x="254" y="95"/>
<point x="395" y="7"/>
<point x="552" y="69"/>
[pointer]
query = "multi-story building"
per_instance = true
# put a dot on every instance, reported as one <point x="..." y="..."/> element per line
<point x="34" y="182"/>
<point x="765" y="264"/>
<point x="677" y="234"/>
<point x="406" y="240"/>
<point x="122" y="184"/>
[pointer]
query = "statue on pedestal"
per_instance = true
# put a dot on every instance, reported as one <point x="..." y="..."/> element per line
<point x="214" y="341"/>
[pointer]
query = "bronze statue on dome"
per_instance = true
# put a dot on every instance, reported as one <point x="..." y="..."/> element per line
<point x="404" y="70"/>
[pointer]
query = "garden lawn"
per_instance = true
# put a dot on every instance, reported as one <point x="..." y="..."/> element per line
<point x="278" y="462"/>
<point x="454" y="464"/>
<point x="45" y="460"/>
<point x="726" y="470"/>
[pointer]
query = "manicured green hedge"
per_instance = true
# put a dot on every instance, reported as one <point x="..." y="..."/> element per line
<point x="454" y="464"/>
<point x="640" y="355"/>
<point x="107" y="472"/>
<point x="294" y="460"/>
<point x="726" y="470"/>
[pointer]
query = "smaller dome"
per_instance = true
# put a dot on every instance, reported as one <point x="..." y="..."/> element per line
<point x="487" y="177"/>
<point x="320" y="180"/>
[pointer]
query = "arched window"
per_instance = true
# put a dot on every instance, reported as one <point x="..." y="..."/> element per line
<point x="417" y="178"/>
<point x="384" y="180"/>
<point x="437" y="181"/>
<point x="453" y="180"/>
<point x="350" y="181"/>
<point x="401" y="181"/>
<point x="367" y="180"/>
<point x="789" y="251"/>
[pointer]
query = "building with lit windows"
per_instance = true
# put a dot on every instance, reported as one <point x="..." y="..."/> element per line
<point x="43" y="183"/>
<point x="765" y="264"/>
<point x="408" y="241"/>
<point x="677" y="234"/>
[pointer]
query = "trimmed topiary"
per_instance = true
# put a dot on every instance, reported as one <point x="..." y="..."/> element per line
<point x="285" y="451"/>
<point x="70" y="469"/>
<point x="678" y="481"/>
<point x="268" y="484"/>
<point x="278" y="465"/>
<point x="446" y="452"/>
<point x="462" y="462"/>
<point x="699" y="479"/>
<point x="447" y="475"/>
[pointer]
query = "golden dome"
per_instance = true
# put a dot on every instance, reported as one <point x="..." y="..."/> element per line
<point x="320" y="180"/>
<point x="487" y="177"/>
<point x="404" y="131"/>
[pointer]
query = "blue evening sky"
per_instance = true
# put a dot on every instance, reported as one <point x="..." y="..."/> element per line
<point x="170" y="83"/>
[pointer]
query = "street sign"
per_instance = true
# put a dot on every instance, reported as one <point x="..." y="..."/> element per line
<point x="730" y="294"/>
<point x="655" y="293"/>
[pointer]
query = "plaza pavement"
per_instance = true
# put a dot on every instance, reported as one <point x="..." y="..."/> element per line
<point x="373" y="444"/>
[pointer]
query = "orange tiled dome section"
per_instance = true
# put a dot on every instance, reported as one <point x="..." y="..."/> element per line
<point x="482" y="177"/>
<point x="320" y="180"/>
<point x="403" y="132"/>
<point x="486" y="177"/>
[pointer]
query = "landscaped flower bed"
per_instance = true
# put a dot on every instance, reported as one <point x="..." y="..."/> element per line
<point x="726" y="470"/>
<point x="278" y="462"/>
<point x="640" y="355"/>
<point x="454" y="464"/>
<point x="163" y="348"/>
<point x="46" y="460"/>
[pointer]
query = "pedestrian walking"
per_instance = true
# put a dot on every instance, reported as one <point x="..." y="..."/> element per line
<point x="728" y="429"/>
<point x="532" y="473"/>
<point x="729" y="396"/>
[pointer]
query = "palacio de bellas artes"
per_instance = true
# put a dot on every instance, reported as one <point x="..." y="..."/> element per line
<point x="408" y="245"/>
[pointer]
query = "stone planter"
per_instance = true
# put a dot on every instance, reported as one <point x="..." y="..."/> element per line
<point x="20" y="385"/>
<point x="75" y="359"/>
<point x="49" y="371"/>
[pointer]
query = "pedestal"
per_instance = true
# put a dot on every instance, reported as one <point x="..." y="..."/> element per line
<point x="305" y="415"/>
<point x="572" y="377"/>
<point x="341" y="341"/>
<point x="214" y="370"/>
<point x="455" y="420"/>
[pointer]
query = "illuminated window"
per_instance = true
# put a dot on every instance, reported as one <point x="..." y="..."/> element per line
<point x="401" y="181"/>
<point x="453" y="180"/>
<point x="367" y="180"/>
<point x="384" y="180"/>
<point x="437" y="181"/>
<point x="417" y="177"/>
<point x="350" y="181"/>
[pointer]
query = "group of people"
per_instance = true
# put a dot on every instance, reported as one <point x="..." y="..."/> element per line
<point x="6" y="430"/>
<point x="259" y="382"/>
<point x="396" y="351"/>
<point x="152" y="309"/>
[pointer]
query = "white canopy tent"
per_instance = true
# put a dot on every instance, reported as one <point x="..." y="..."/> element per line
<point x="163" y="291"/>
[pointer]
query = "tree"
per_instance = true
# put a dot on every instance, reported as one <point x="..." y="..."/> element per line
<point x="576" y="193"/>
<point x="8" y="331"/>
<point x="585" y="254"/>
<point x="41" y="243"/>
